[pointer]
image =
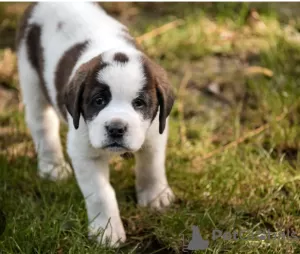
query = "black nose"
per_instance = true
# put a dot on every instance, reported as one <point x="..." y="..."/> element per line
<point x="116" y="129"/>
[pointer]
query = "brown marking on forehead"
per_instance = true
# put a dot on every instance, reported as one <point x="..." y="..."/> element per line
<point x="121" y="57"/>
<point x="59" y="25"/>
<point x="36" y="55"/>
<point x="23" y="24"/>
<point x="63" y="71"/>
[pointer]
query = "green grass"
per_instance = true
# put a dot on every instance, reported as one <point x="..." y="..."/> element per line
<point x="252" y="186"/>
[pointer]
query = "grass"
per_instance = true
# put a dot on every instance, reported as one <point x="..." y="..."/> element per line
<point x="252" y="186"/>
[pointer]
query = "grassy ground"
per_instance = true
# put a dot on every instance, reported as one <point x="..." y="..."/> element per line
<point x="233" y="158"/>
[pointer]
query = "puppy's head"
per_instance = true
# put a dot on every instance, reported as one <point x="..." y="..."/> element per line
<point x="118" y="93"/>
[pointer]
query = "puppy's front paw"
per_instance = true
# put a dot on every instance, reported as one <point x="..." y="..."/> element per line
<point x="156" y="197"/>
<point x="111" y="234"/>
<point x="55" y="172"/>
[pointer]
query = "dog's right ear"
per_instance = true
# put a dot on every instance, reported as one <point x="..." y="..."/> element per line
<point x="73" y="96"/>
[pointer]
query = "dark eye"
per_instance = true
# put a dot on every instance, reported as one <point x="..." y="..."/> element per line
<point x="139" y="103"/>
<point x="99" y="101"/>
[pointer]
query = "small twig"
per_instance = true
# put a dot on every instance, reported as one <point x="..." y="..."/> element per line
<point x="242" y="139"/>
<point x="159" y="30"/>
<point x="258" y="70"/>
<point x="181" y="92"/>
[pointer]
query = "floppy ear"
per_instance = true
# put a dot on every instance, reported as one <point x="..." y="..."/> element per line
<point x="73" y="96"/>
<point x="165" y="96"/>
<point x="164" y="91"/>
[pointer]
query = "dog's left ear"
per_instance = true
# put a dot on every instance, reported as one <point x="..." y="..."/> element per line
<point x="164" y="91"/>
<point x="166" y="98"/>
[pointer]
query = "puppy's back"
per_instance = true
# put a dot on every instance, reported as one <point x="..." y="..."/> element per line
<point x="48" y="31"/>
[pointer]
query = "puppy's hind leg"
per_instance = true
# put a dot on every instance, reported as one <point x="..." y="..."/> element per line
<point x="42" y="121"/>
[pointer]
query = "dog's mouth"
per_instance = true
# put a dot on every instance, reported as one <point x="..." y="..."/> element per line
<point x="116" y="147"/>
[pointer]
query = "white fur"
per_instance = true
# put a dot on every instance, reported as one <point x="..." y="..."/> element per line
<point x="82" y="21"/>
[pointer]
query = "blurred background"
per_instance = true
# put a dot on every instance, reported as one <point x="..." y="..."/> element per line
<point x="233" y="153"/>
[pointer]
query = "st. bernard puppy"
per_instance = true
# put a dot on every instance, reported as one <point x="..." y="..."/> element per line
<point x="77" y="63"/>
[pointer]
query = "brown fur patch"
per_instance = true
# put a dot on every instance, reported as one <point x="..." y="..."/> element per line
<point x="35" y="55"/>
<point x="23" y="23"/>
<point x="81" y="88"/>
<point x="63" y="71"/>
<point x="121" y="57"/>
<point x="158" y="80"/>
<point x="32" y="35"/>
<point x="92" y="85"/>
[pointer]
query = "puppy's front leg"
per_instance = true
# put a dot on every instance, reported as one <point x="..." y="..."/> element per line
<point x="102" y="208"/>
<point x="151" y="182"/>
<point x="103" y="213"/>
